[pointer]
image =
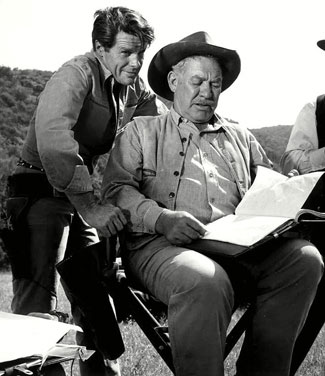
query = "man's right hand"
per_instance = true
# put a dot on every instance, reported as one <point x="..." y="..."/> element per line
<point x="106" y="218"/>
<point x="179" y="227"/>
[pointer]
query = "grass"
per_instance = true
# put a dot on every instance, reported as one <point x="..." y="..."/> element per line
<point x="140" y="358"/>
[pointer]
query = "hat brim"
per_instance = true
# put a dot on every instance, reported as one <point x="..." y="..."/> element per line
<point x="321" y="44"/>
<point x="161" y="64"/>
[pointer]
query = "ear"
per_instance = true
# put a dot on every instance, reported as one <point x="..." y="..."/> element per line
<point x="99" y="47"/>
<point x="172" y="81"/>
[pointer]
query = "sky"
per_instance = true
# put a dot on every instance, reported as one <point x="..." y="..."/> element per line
<point x="282" y="67"/>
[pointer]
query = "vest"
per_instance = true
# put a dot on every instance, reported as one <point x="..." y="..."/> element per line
<point x="320" y="120"/>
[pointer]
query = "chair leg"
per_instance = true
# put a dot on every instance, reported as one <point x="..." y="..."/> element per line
<point x="148" y="324"/>
<point x="312" y="327"/>
<point x="238" y="330"/>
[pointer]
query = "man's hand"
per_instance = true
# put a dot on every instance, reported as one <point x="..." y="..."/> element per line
<point x="293" y="173"/>
<point x="106" y="218"/>
<point x="179" y="227"/>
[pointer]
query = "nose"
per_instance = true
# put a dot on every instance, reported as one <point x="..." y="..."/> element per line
<point x="135" y="61"/>
<point x="205" y="90"/>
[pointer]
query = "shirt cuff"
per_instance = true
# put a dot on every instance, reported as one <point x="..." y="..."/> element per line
<point x="81" y="181"/>
<point x="150" y="219"/>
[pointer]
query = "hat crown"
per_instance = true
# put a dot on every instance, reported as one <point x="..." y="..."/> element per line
<point x="321" y="44"/>
<point x="198" y="43"/>
<point x="198" y="37"/>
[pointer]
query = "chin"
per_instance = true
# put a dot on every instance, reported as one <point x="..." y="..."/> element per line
<point x="203" y="119"/>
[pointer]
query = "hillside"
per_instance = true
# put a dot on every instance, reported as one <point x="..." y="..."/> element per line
<point x="18" y="99"/>
<point x="274" y="141"/>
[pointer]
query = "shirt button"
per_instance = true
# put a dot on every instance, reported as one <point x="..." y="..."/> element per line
<point x="181" y="153"/>
<point x="211" y="175"/>
<point x="205" y="155"/>
<point x="171" y="195"/>
<point x="176" y="173"/>
<point x="184" y="139"/>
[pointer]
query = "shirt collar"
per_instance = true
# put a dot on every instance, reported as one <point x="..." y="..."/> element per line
<point x="215" y="123"/>
<point x="105" y="73"/>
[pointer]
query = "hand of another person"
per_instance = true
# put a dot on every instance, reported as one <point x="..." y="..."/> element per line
<point x="106" y="218"/>
<point x="179" y="227"/>
<point x="293" y="173"/>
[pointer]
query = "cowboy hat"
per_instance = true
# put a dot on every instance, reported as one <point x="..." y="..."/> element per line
<point x="321" y="44"/>
<point x="198" y="43"/>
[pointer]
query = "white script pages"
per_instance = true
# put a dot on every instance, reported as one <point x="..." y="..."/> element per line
<point x="272" y="201"/>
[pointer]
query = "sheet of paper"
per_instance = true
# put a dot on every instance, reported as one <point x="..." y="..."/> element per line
<point x="272" y="200"/>
<point x="274" y="194"/>
<point x="23" y="336"/>
<point x="242" y="230"/>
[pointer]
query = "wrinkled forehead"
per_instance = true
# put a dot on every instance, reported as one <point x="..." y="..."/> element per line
<point x="200" y="64"/>
<point x="129" y="41"/>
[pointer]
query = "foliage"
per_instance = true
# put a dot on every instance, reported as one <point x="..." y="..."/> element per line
<point x="20" y="90"/>
<point x="19" y="93"/>
<point x="274" y="141"/>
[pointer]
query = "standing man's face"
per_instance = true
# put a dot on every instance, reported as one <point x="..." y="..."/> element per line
<point x="125" y="58"/>
<point x="196" y="88"/>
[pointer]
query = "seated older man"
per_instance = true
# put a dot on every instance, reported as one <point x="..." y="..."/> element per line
<point x="177" y="172"/>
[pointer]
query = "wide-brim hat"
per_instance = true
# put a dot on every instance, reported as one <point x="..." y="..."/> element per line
<point x="198" y="43"/>
<point x="321" y="44"/>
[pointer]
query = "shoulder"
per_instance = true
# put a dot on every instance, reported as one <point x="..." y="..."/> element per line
<point x="309" y="106"/>
<point x="146" y="126"/>
<point x="85" y="65"/>
<point x="235" y="128"/>
<point x="150" y="124"/>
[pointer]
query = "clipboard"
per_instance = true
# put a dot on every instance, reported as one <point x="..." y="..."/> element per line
<point x="215" y="248"/>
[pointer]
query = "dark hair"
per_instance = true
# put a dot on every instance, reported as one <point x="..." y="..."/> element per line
<point x="111" y="20"/>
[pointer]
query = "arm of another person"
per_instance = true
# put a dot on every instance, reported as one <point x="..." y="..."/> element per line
<point x="57" y="113"/>
<point x="122" y="185"/>
<point x="302" y="152"/>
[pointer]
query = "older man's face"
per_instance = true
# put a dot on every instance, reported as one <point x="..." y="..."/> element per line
<point x="197" y="88"/>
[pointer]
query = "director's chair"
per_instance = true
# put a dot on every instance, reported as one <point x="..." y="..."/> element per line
<point x="100" y="260"/>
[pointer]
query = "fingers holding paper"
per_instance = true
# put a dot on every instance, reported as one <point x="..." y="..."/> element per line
<point x="179" y="227"/>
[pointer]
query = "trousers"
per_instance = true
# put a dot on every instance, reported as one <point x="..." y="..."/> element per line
<point x="200" y="299"/>
<point x="55" y="230"/>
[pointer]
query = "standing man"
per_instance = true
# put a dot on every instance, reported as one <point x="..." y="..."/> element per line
<point x="305" y="152"/>
<point x="83" y="106"/>
<point x="191" y="152"/>
<point x="306" y="148"/>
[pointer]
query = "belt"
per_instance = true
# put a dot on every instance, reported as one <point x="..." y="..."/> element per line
<point x="31" y="185"/>
<point x="23" y="163"/>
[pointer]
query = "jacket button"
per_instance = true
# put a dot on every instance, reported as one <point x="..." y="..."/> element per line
<point x="176" y="173"/>
<point x="181" y="153"/>
<point x="171" y="194"/>
<point x="184" y="139"/>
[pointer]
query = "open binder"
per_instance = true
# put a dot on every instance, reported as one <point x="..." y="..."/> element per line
<point x="273" y="206"/>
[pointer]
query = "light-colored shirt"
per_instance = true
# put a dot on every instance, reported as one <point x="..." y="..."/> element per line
<point x="166" y="168"/>
<point x="206" y="177"/>
<point x="76" y="120"/>
<point x="302" y="152"/>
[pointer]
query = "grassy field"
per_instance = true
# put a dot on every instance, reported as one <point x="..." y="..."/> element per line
<point x="140" y="358"/>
